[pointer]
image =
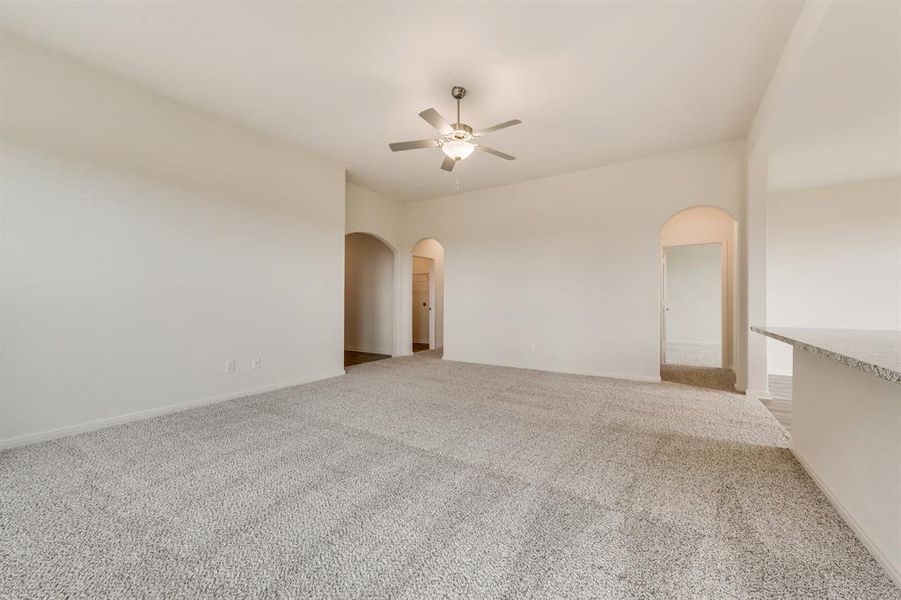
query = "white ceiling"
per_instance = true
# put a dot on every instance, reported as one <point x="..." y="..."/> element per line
<point x="594" y="83"/>
<point x="840" y="118"/>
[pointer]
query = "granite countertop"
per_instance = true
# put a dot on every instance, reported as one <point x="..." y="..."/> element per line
<point x="875" y="352"/>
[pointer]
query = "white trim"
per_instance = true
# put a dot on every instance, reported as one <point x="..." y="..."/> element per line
<point x="758" y="394"/>
<point x="890" y="569"/>
<point x="780" y="372"/>
<point x="68" y="430"/>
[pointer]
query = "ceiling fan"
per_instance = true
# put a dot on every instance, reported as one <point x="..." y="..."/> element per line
<point x="457" y="141"/>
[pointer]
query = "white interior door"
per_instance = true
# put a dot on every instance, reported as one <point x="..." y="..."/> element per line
<point x="421" y="307"/>
<point x="693" y="305"/>
<point x="663" y="310"/>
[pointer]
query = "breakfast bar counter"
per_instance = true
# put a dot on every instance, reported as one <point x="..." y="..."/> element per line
<point x="846" y="427"/>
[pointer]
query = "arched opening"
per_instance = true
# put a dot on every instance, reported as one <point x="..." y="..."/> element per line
<point x="368" y="298"/>
<point x="698" y="301"/>
<point x="428" y="296"/>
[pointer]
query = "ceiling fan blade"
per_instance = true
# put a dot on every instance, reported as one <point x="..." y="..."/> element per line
<point x="415" y="144"/>
<point x="498" y="153"/>
<point x="433" y="118"/>
<point x="448" y="164"/>
<point x="510" y="123"/>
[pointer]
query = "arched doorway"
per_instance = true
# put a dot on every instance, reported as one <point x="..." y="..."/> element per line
<point x="427" y="331"/>
<point x="698" y="300"/>
<point x="368" y="298"/>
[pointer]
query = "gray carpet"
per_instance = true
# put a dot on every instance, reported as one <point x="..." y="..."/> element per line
<point x="713" y="378"/>
<point x="421" y="478"/>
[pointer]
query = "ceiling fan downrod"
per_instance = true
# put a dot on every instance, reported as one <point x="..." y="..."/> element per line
<point x="458" y="92"/>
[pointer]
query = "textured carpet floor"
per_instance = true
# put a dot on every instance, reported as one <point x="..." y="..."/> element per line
<point x="712" y="378"/>
<point x="421" y="478"/>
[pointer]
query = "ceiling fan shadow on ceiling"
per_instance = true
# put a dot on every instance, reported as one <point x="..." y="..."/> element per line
<point x="457" y="141"/>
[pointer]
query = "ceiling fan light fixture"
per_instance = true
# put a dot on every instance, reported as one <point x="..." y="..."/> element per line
<point x="457" y="149"/>
<point x="454" y="140"/>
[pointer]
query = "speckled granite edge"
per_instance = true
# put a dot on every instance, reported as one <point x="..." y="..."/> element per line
<point x="865" y="366"/>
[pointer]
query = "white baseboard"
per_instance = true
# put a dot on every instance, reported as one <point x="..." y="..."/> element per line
<point x="367" y="350"/>
<point x="892" y="570"/>
<point x="68" y="430"/>
<point x="759" y="394"/>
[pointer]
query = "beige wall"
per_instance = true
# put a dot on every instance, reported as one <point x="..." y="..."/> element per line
<point x="845" y="433"/>
<point x="372" y="213"/>
<point x="563" y="273"/>
<point x="834" y="260"/>
<point x="147" y="244"/>
<point x="421" y="265"/>
<point x="368" y="294"/>
<point x="381" y="216"/>
<point x="701" y="225"/>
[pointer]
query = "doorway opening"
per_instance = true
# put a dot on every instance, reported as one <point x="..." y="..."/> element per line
<point x="698" y="303"/>
<point x="423" y="302"/>
<point x="692" y="300"/>
<point x="428" y="296"/>
<point x="368" y="299"/>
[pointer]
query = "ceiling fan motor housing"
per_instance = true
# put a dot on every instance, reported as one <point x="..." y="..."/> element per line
<point x="461" y="131"/>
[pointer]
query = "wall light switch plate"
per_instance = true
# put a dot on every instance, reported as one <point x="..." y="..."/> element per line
<point x="230" y="367"/>
<point x="256" y="363"/>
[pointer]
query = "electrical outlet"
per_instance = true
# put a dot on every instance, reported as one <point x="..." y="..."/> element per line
<point x="230" y="367"/>
<point x="256" y="363"/>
